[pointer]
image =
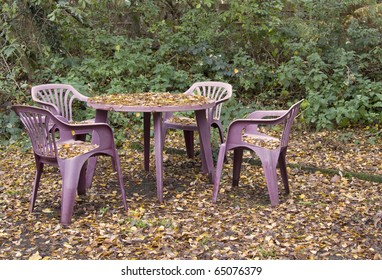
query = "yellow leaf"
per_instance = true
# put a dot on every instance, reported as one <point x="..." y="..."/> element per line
<point x="161" y="228"/>
<point x="67" y="245"/>
<point x="35" y="257"/>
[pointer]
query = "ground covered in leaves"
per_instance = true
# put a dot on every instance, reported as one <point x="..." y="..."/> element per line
<point x="328" y="215"/>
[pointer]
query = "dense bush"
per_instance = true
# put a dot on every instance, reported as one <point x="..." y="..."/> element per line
<point x="273" y="52"/>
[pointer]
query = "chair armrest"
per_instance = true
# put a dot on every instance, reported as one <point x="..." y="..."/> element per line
<point x="167" y="116"/>
<point x="103" y="130"/>
<point x="189" y="91"/>
<point x="260" y="114"/>
<point x="243" y="123"/>
<point x="86" y="128"/>
<point x="82" y="97"/>
<point x="53" y="108"/>
<point x="222" y="100"/>
<point x="234" y="133"/>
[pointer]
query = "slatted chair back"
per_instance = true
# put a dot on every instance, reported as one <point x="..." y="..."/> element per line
<point x="38" y="127"/>
<point x="57" y="98"/>
<point x="217" y="91"/>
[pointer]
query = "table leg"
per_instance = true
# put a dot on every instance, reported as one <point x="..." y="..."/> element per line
<point x="205" y="143"/>
<point x="101" y="117"/>
<point x="158" y="154"/>
<point x="146" y="139"/>
<point x="202" y="157"/>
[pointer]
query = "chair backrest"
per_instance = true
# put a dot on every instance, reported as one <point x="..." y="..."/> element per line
<point x="60" y="97"/>
<point x="289" y="118"/>
<point x="217" y="91"/>
<point x="37" y="122"/>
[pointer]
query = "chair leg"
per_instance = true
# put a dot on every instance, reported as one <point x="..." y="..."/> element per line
<point x="283" y="170"/>
<point x="120" y="180"/>
<point x="202" y="157"/>
<point x="189" y="141"/>
<point x="146" y="139"/>
<point x="164" y="133"/>
<point x="219" y="169"/>
<point x="220" y="128"/>
<point x="237" y="160"/>
<point x="221" y="135"/>
<point x="271" y="179"/>
<point x="81" y="188"/>
<point x="70" y="177"/>
<point x="39" y="170"/>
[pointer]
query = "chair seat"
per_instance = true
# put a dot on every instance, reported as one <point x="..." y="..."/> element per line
<point x="74" y="148"/>
<point x="90" y="121"/>
<point x="181" y="120"/>
<point x="263" y="141"/>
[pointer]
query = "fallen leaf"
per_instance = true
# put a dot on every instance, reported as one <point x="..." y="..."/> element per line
<point x="36" y="256"/>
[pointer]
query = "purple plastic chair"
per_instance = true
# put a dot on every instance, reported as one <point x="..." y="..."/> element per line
<point x="244" y="134"/>
<point x="69" y="156"/>
<point x="59" y="99"/>
<point x="218" y="91"/>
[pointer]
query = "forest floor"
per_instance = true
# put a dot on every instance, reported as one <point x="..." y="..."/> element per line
<point x="334" y="210"/>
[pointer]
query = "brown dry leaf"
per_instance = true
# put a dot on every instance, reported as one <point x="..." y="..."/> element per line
<point x="335" y="179"/>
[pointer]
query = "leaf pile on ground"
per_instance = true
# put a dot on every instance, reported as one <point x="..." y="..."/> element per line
<point x="326" y="215"/>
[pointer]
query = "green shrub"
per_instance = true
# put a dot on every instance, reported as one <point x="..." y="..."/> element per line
<point x="272" y="52"/>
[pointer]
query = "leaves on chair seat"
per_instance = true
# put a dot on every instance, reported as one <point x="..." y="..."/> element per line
<point x="82" y="122"/>
<point x="182" y="120"/>
<point x="75" y="148"/>
<point x="267" y="143"/>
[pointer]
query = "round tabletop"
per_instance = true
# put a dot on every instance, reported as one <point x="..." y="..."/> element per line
<point x="150" y="102"/>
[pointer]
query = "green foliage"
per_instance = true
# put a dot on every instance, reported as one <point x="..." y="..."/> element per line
<point x="234" y="109"/>
<point x="337" y="91"/>
<point x="10" y="129"/>
<point x="272" y="52"/>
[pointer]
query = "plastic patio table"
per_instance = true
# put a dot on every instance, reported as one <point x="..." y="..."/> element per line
<point x="153" y="103"/>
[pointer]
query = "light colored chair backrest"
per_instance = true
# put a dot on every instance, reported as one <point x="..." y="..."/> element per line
<point x="57" y="98"/>
<point x="217" y="91"/>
